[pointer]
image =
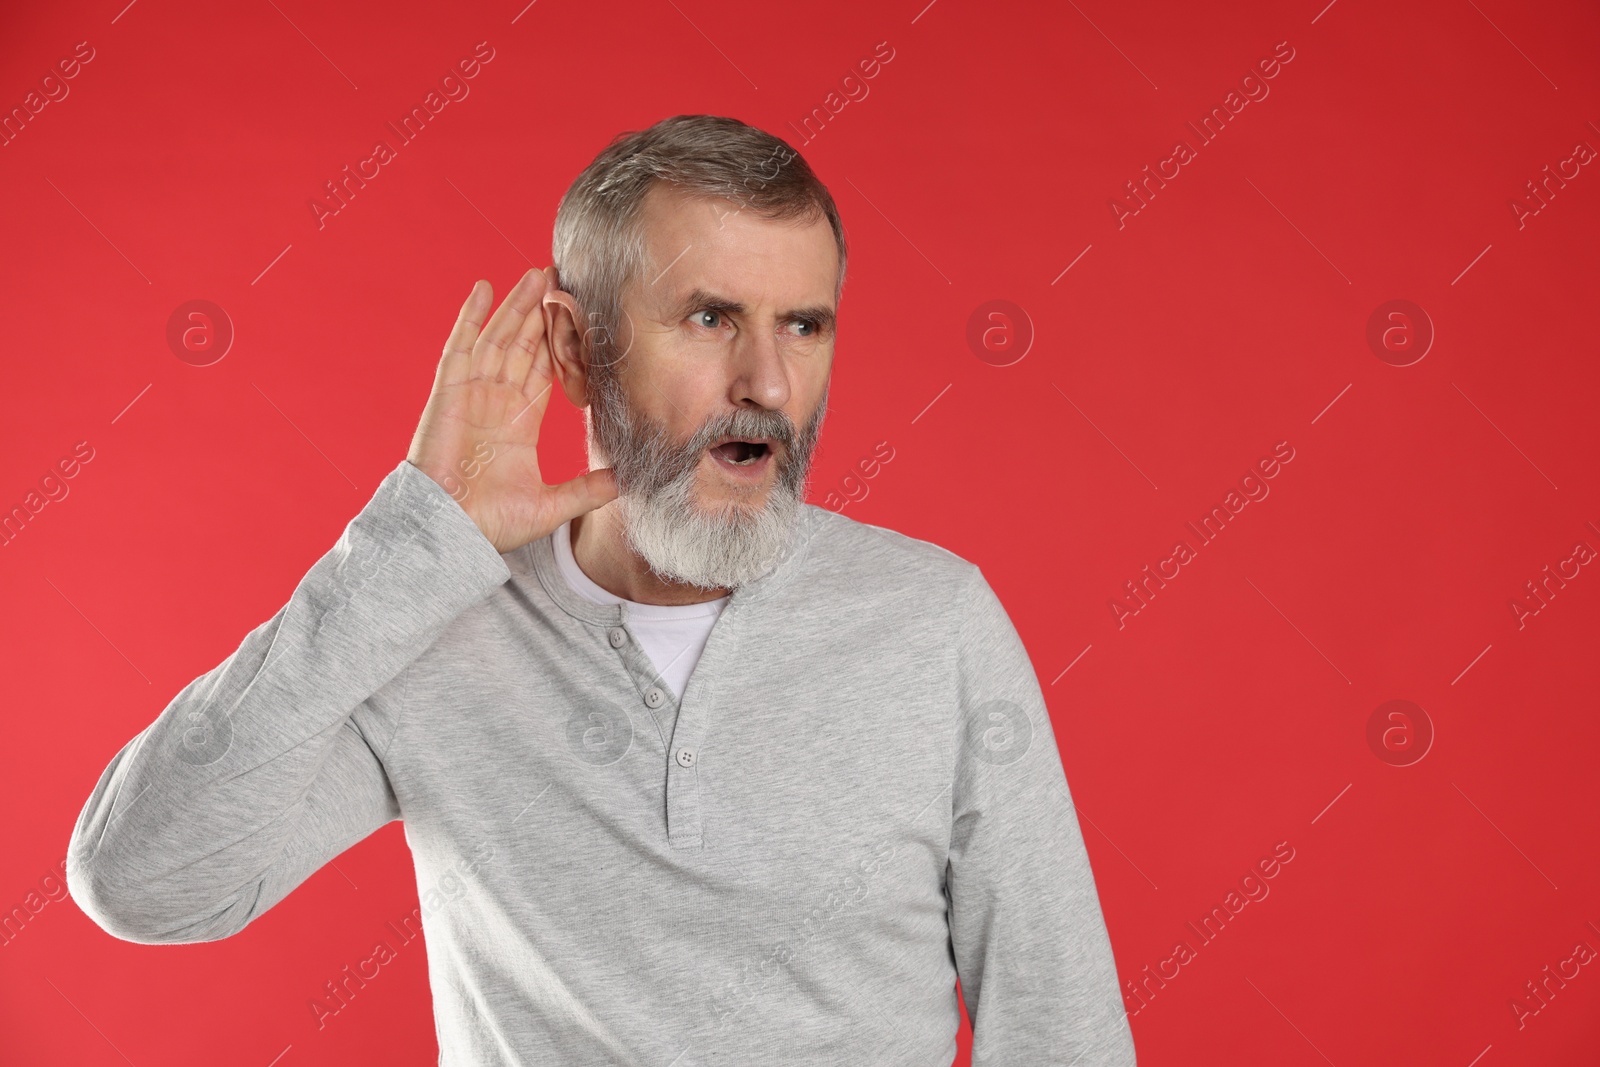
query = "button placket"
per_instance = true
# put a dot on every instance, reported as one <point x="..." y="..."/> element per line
<point x="683" y="776"/>
<point x="642" y="674"/>
<point x="682" y="721"/>
<point x="696" y="711"/>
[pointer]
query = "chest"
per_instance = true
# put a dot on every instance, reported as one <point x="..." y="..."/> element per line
<point x="786" y="760"/>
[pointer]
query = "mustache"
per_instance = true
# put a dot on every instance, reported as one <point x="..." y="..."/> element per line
<point x="747" y="423"/>
<point x="647" y="457"/>
<point x="675" y="461"/>
<point x="774" y="426"/>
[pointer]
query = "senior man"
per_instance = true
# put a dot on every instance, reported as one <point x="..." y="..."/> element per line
<point x="692" y="772"/>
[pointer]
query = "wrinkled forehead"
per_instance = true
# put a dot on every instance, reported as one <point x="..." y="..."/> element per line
<point x="716" y="245"/>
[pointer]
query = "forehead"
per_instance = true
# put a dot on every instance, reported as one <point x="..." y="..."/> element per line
<point x="710" y="243"/>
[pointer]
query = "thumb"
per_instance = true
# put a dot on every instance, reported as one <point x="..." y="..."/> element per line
<point x="584" y="493"/>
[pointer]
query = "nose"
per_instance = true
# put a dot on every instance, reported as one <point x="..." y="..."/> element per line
<point x="757" y="373"/>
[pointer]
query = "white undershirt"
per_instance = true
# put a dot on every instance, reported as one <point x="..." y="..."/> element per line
<point x="672" y="635"/>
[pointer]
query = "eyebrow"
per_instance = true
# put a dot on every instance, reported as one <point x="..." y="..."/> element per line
<point x="698" y="299"/>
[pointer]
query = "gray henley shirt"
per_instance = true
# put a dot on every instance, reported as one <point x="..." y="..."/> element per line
<point x="857" y="799"/>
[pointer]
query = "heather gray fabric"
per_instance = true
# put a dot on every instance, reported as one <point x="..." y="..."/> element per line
<point x="858" y="798"/>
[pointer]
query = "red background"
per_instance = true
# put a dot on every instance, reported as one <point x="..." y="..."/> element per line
<point x="1229" y="314"/>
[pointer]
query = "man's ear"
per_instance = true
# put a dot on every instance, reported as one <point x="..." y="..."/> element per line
<point x="562" y="319"/>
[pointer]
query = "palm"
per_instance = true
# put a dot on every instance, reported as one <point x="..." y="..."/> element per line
<point x="479" y="433"/>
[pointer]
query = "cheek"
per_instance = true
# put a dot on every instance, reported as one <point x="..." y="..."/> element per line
<point x="676" y="385"/>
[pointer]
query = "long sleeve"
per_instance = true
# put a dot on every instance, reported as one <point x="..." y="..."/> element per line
<point x="1031" y="946"/>
<point x="260" y="771"/>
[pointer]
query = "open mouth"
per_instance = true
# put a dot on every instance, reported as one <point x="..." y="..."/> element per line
<point x="742" y="453"/>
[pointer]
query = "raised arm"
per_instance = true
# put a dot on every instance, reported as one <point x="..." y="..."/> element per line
<point x="257" y="772"/>
<point x="264" y="768"/>
<point x="1030" y="941"/>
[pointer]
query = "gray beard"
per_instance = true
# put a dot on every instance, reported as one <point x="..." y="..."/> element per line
<point x="726" y="547"/>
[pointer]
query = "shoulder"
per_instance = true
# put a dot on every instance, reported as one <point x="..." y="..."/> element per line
<point x="877" y="566"/>
<point x="878" y="561"/>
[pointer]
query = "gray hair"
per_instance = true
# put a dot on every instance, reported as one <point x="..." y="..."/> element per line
<point x="598" y="243"/>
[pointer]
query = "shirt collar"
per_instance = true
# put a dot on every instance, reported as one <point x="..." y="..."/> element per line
<point x="586" y="586"/>
<point x="539" y="558"/>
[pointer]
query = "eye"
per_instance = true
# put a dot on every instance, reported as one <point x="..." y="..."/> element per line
<point x="811" y="327"/>
<point x="715" y="314"/>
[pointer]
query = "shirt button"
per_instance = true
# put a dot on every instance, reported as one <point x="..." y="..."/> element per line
<point x="686" y="757"/>
<point x="654" y="697"/>
<point x="619" y="637"/>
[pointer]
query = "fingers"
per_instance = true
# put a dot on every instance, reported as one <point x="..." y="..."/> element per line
<point x="456" y="363"/>
<point x="495" y="342"/>
<point x="528" y="350"/>
<point x="584" y="493"/>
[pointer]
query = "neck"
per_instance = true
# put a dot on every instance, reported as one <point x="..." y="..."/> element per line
<point x="602" y="553"/>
